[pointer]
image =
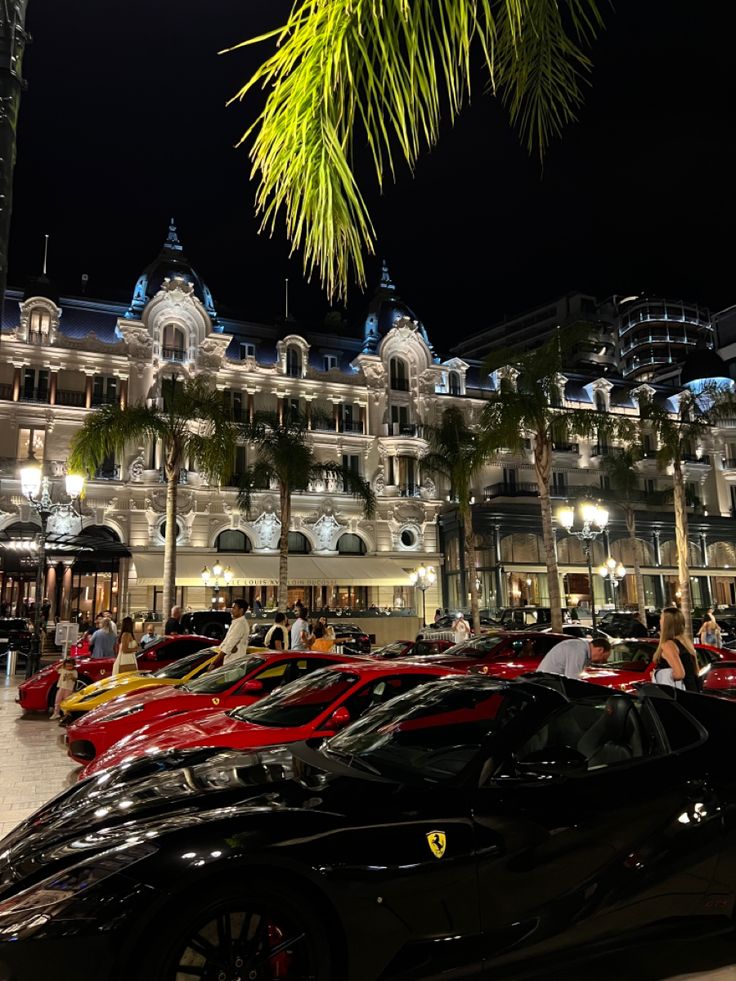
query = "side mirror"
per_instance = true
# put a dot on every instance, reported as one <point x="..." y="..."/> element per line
<point x="553" y="761"/>
<point x="338" y="720"/>
<point x="252" y="687"/>
<point x="149" y="655"/>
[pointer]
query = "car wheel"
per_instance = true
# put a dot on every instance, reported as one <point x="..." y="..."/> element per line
<point x="256" y="932"/>
<point x="215" y="630"/>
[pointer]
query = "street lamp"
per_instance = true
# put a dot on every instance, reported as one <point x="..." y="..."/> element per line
<point x="594" y="520"/>
<point x="37" y="490"/>
<point x="422" y="578"/>
<point x="218" y="573"/>
<point x="612" y="572"/>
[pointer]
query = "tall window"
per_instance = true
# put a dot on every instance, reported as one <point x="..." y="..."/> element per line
<point x="298" y="543"/>
<point x="454" y="384"/>
<point x="35" y="385"/>
<point x="173" y="346"/>
<point x="351" y="545"/>
<point x="233" y="541"/>
<point x="40" y="323"/>
<point x="350" y="462"/>
<point x="601" y="403"/>
<point x="247" y="350"/>
<point x="104" y="390"/>
<point x="293" y="362"/>
<point x="31" y="439"/>
<point x="398" y="375"/>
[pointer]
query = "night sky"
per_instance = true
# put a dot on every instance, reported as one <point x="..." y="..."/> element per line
<point x="124" y="124"/>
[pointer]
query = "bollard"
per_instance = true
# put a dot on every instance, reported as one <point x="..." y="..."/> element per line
<point x="11" y="659"/>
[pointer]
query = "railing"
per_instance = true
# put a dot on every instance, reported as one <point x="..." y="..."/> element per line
<point x="409" y="490"/>
<point x="34" y="395"/>
<point x="322" y="425"/>
<point x="10" y="467"/>
<point x="105" y="399"/>
<point x="38" y="337"/>
<point x="77" y="399"/>
<point x="183" y="475"/>
<point x="600" y="449"/>
<point x="108" y="473"/>
<point x="399" y="384"/>
<point x="173" y="354"/>
<point x="565" y="447"/>
<point x="525" y="489"/>
<point x="352" y="427"/>
<point x="6" y="392"/>
<point x="694" y="458"/>
<point x="729" y="464"/>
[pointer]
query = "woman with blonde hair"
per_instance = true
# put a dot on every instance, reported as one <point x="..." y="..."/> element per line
<point x="127" y="648"/>
<point x="675" y="660"/>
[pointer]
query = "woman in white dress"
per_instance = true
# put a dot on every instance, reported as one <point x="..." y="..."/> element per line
<point x="127" y="649"/>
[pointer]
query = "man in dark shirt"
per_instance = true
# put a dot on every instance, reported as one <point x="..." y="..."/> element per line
<point x="173" y="624"/>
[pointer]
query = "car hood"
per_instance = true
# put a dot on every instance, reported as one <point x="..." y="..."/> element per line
<point x="180" y="791"/>
<point x="152" y="692"/>
<point x="202" y="728"/>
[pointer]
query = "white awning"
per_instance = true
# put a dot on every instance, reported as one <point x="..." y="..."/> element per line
<point x="263" y="570"/>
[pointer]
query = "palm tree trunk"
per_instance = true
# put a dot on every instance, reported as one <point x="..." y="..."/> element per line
<point x="466" y="522"/>
<point x="638" y="578"/>
<point x="283" y="598"/>
<point x="542" y="465"/>
<point x="681" y="540"/>
<point x="12" y="45"/>
<point x="172" y="488"/>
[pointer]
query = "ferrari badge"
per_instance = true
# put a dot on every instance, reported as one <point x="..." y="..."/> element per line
<point x="437" y="841"/>
<point x="215" y="701"/>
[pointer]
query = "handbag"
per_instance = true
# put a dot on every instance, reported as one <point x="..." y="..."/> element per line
<point x="663" y="676"/>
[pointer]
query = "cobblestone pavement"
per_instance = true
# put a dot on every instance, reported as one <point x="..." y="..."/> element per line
<point x="35" y="766"/>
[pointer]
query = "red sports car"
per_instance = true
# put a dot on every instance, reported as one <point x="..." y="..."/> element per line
<point x="312" y="707"/>
<point x="629" y="662"/>
<point x="38" y="693"/>
<point x="412" y="648"/>
<point x="239" y="683"/>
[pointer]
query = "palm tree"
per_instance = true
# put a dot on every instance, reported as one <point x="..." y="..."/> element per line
<point x="528" y="403"/>
<point x="191" y="422"/>
<point x="387" y="70"/>
<point x="620" y="466"/>
<point x="286" y="458"/>
<point x="459" y="454"/>
<point x="678" y="433"/>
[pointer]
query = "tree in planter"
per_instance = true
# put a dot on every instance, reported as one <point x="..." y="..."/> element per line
<point x="528" y="403"/>
<point x="191" y="422"/>
<point x="678" y="433"/>
<point x="458" y="453"/>
<point x="620" y="467"/>
<point x="286" y="458"/>
<point x="385" y="72"/>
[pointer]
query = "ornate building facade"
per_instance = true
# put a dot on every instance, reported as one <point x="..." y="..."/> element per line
<point x="368" y="399"/>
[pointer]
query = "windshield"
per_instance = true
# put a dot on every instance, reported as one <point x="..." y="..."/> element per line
<point x="631" y="656"/>
<point x="299" y="703"/>
<point x="471" y="648"/>
<point x="211" y="683"/>
<point x="430" y="734"/>
<point x="182" y="667"/>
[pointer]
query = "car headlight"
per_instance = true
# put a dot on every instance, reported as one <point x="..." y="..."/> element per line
<point x="122" y="713"/>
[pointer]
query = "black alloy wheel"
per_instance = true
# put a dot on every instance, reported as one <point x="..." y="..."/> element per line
<point x="261" y="936"/>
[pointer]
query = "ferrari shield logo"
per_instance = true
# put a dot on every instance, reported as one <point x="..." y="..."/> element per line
<point x="215" y="701"/>
<point x="437" y="841"/>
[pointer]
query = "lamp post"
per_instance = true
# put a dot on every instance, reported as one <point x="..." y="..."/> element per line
<point x="218" y="573"/>
<point x="422" y="578"/>
<point x="37" y="490"/>
<point x="612" y="572"/>
<point x="594" y="520"/>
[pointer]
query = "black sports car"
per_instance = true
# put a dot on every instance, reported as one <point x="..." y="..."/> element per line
<point x="456" y="830"/>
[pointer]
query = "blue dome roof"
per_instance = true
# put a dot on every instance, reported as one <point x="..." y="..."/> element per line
<point x="171" y="262"/>
<point x="384" y="310"/>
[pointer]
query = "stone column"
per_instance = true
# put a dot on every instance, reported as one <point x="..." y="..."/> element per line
<point x="88" y="381"/>
<point x="16" y="384"/>
<point x="53" y="384"/>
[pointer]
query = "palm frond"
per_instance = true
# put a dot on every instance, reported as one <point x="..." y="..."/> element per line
<point x="257" y="477"/>
<point x="108" y="431"/>
<point x="352" y="483"/>
<point x="386" y="71"/>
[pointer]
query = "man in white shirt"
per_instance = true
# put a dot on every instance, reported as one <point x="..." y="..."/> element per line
<point x="235" y="644"/>
<point x="570" y="657"/>
<point x="461" y="629"/>
<point x="299" y="640"/>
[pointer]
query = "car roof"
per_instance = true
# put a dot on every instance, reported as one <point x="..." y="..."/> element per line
<point x="368" y="669"/>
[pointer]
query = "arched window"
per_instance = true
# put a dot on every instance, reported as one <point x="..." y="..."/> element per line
<point x="351" y="545"/>
<point x="298" y="543"/>
<point x="399" y="375"/>
<point x="454" y="383"/>
<point x="173" y="346"/>
<point x="233" y="541"/>
<point x="293" y="362"/>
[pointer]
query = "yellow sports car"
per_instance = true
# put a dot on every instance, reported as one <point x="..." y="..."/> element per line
<point x="176" y="673"/>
